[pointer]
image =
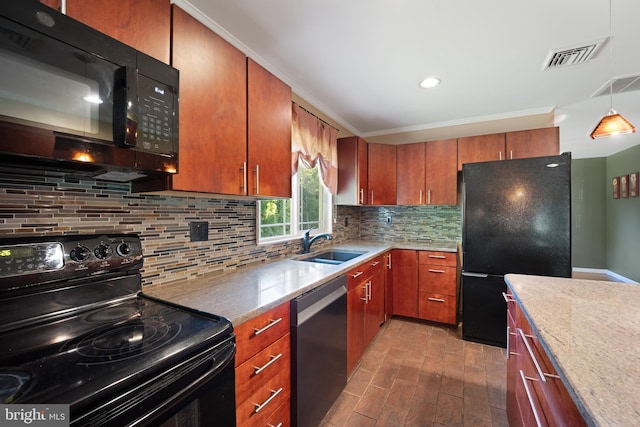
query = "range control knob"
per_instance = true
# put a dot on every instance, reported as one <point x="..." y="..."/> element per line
<point x="80" y="253"/>
<point x="123" y="249"/>
<point x="102" y="251"/>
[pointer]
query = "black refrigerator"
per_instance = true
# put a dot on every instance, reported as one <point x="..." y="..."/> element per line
<point x="516" y="219"/>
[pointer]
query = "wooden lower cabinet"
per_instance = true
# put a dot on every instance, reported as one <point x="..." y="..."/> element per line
<point x="365" y="307"/>
<point x="437" y="285"/>
<point x="404" y="269"/>
<point x="263" y="369"/>
<point x="536" y="395"/>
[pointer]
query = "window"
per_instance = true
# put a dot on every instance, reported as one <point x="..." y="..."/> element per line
<point x="309" y="207"/>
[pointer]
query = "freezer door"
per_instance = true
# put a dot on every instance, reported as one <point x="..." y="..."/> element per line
<point x="484" y="310"/>
<point x="517" y="216"/>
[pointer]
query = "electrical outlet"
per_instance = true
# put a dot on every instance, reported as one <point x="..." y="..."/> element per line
<point x="199" y="231"/>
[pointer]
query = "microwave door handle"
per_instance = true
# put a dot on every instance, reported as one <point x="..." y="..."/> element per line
<point x="125" y="123"/>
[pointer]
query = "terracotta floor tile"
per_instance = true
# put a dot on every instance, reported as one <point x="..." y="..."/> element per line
<point x="420" y="374"/>
<point x="372" y="401"/>
<point x="391" y="416"/>
<point x="359" y="381"/>
<point x="342" y="409"/>
<point x="449" y="410"/>
<point x="359" y="420"/>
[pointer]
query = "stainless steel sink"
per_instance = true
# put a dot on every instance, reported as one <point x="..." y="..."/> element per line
<point x="331" y="257"/>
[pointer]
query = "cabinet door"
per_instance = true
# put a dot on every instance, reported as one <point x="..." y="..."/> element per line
<point x="213" y="113"/>
<point x="355" y="324"/>
<point x="375" y="306"/>
<point x="441" y="172"/>
<point x="481" y="148"/>
<point x="142" y="24"/>
<point x="352" y="171"/>
<point x="533" y="143"/>
<point x="382" y="174"/>
<point x="388" y="285"/>
<point x="405" y="282"/>
<point x="411" y="174"/>
<point x="268" y="133"/>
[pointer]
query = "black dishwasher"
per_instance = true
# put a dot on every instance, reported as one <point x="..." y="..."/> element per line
<point x="318" y="351"/>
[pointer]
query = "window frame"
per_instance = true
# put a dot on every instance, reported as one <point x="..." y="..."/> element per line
<point x="326" y="218"/>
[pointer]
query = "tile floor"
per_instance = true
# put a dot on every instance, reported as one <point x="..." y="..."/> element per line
<point x="422" y="374"/>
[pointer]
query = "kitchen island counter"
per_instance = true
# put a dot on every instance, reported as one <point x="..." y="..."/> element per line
<point x="250" y="291"/>
<point x="591" y="332"/>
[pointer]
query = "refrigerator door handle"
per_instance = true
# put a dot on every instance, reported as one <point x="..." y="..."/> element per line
<point x="469" y="274"/>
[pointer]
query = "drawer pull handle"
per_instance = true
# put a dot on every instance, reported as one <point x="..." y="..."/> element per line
<point x="354" y="275"/>
<point x="508" y="297"/>
<point x="435" y="299"/>
<point x="271" y="425"/>
<point x="274" y="393"/>
<point x="431" y="270"/>
<point x="374" y="263"/>
<point x="271" y="324"/>
<point x="266" y="365"/>
<point x="541" y="374"/>
<point x="508" y="333"/>
<point x="437" y="256"/>
<point x="529" y="398"/>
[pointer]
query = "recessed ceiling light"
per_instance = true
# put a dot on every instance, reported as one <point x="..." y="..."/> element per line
<point x="430" y="82"/>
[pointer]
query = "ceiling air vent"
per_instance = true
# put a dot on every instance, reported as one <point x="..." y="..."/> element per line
<point x="619" y="85"/>
<point x="572" y="55"/>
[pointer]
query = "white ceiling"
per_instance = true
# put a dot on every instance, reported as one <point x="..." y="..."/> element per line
<point x="359" y="62"/>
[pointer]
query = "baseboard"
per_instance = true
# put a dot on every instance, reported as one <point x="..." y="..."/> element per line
<point x="617" y="277"/>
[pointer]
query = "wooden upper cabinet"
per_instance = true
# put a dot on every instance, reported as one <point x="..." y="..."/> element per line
<point x="427" y="173"/>
<point x="533" y="143"/>
<point x="213" y="109"/>
<point x="381" y="174"/>
<point x="441" y="172"/>
<point x="352" y="171"/>
<point x="142" y="24"/>
<point x="482" y="148"/>
<point x="411" y="159"/>
<point x="268" y="133"/>
<point x="510" y="145"/>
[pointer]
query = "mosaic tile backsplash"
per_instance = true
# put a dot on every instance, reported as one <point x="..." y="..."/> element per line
<point x="50" y="203"/>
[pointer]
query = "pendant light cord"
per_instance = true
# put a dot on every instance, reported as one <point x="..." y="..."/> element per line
<point x="610" y="62"/>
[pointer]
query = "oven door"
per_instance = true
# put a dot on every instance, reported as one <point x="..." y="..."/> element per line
<point x="198" y="391"/>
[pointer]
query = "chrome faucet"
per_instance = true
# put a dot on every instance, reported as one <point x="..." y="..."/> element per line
<point x="307" y="242"/>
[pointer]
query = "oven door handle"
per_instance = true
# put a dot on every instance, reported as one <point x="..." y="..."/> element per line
<point x="219" y="362"/>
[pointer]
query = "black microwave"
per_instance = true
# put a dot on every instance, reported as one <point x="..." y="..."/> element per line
<point x="71" y="96"/>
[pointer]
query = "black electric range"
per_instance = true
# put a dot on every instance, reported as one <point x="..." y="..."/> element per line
<point x="75" y="329"/>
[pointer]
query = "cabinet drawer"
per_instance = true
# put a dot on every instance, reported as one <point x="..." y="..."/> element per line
<point x="437" y="307"/>
<point x="356" y="275"/>
<point x="258" y="333"/>
<point x="281" y="417"/>
<point x="437" y="279"/>
<point x="437" y="258"/>
<point x="253" y="373"/>
<point x="265" y="401"/>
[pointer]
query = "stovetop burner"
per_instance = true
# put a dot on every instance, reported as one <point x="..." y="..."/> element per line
<point x="126" y="341"/>
<point x="114" y="314"/>
<point x="12" y="384"/>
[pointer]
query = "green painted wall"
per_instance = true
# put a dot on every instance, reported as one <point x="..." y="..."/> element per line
<point x="589" y="213"/>
<point x="623" y="218"/>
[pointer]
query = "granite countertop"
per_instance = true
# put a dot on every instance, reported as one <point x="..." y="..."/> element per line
<point x="591" y="331"/>
<point x="246" y="293"/>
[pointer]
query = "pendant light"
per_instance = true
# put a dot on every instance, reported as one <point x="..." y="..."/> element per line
<point x="613" y="123"/>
